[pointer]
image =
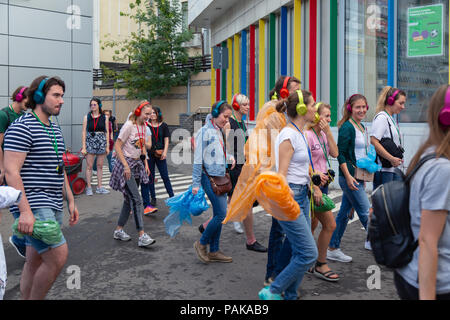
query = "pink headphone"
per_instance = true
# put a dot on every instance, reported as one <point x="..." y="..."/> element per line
<point x="19" y="96"/>
<point x="391" y="99"/>
<point x="349" y="105"/>
<point x="444" y="115"/>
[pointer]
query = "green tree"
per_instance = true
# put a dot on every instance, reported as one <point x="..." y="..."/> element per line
<point x="153" y="51"/>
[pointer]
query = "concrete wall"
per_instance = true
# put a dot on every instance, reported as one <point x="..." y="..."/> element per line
<point x="171" y="105"/>
<point x="54" y="38"/>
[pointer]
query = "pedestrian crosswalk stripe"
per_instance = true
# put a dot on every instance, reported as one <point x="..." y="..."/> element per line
<point x="181" y="182"/>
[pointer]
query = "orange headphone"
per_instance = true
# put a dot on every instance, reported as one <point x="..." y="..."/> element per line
<point x="284" y="92"/>
<point x="138" y="110"/>
<point x="235" y="104"/>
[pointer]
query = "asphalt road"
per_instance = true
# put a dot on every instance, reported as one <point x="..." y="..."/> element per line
<point x="169" y="270"/>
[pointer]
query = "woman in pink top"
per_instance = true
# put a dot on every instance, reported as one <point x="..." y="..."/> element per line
<point x="323" y="145"/>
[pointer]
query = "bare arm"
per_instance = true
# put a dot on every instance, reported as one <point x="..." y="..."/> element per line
<point x="2" y="168"/>
<point x="382" y="152"/>
<point x="13" y="165"/>
<point x="83" y="136"/>
<point x="119" y="154"/>
<point x="107" y="133"/>
<point x="431" y="227"/>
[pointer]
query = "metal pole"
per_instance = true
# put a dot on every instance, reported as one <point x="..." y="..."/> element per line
<point x="189" y="96"/>
<point x="114" y="101"/>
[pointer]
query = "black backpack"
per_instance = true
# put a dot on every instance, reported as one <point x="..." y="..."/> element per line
<point x="390" y="233"/>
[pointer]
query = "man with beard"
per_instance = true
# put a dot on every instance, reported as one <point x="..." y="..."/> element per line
<point x="34" y="147"/>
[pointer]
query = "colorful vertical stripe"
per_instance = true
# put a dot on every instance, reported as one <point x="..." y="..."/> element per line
<point x="244" y="62"/>
<point x="391" y="43"/>
<point x="213" y="80"/>
<point x="262" y="63"/>
<point x="334" y="61"/>
<point x="313" y="47"/>
<point x="236" y="58"/>
<point x="252" y="73"/>
<point x="283" y="49"/>
<point x="230" y="70"/>
<point x="298" y="39"/>
<point x="272" y="47"/>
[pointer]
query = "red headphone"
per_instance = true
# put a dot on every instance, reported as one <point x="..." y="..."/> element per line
<point x="284" y="92"/>
<point x="235" y="104"/>
<point x="138" y="110"/>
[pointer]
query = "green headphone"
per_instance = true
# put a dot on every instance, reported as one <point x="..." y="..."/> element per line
<point x="301" y="106"/>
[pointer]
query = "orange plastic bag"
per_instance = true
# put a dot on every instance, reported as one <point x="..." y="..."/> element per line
<point x="259" y="157"/>
<point x="274" y="195"/>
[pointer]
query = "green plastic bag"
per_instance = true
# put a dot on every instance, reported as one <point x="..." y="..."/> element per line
<point x="47" y="231"/>
<point x="327" y="204"/>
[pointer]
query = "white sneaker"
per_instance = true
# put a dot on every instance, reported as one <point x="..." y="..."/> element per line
<point x="338" y="255"/>
<point x="121" y="235"/>
<point x="102" y="190"/>
<point x="89" y="192"/>
<point x="238" y="227"/>
<point x="368" y="246"/>
<point x="145" y="240"/>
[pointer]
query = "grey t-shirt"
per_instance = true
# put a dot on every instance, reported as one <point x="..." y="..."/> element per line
<point x="430" y="190"/>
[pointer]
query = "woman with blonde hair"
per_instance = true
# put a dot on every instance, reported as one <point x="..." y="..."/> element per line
<point x="385" y="134"/>
<point x="322" y="144"/>
<point x="131" y="169"/>
<point x="427" y="276"/>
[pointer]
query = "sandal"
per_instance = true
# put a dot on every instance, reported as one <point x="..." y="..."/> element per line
<point x="327" y="276"/>
<point x="310" y="270"/>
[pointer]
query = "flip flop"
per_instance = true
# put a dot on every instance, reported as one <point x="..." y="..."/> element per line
<point x="326" y="276"/>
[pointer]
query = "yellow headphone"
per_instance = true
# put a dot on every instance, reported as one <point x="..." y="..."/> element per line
<point x="301" y="106"/>
<point x="316" y="115"/>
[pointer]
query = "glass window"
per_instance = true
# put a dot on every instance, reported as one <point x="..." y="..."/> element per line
<point x="366" y="49"/>
<point x="422" y="33"/>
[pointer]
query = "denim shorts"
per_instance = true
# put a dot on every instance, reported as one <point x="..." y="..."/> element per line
<point x="43" y="214"/>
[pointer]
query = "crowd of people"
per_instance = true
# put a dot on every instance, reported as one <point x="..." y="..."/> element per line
<point x="31" y="162"/>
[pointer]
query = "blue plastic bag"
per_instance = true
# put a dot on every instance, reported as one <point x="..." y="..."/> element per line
<point x="181" y="207"/>
<point x="369" y="163"/>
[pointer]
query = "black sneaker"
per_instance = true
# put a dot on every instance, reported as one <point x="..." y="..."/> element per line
<point x="153" y="202"/>
<point x="21" y="250"/>
<point x="201" y="228"/>
<point x="256" y="246"/>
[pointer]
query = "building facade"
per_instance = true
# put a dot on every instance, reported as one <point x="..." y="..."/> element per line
<point x="336" y="47"/>
<point x="111" y="25"/>
<point x="54" y="38"/>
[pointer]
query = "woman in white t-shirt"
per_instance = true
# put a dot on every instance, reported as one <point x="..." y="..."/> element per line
<point x="293" y="159"/>
<point x="391" y="102"/>
<point x="130" y="170"/>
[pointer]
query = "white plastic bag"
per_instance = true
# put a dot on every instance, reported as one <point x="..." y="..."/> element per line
<point x="2" y="270"/>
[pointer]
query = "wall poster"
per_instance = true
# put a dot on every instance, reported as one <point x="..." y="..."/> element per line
<point x="425" y="31"/>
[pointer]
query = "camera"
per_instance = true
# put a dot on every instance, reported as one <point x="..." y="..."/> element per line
<point x="316" y="180"/>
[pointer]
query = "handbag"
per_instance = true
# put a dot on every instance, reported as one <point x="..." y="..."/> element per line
<point x="363" y="175"/>
<point x="220" y="185"/>
<point x="157" y="153"/>
<point x="389" y="145"/>
<point x="327" y="204"/>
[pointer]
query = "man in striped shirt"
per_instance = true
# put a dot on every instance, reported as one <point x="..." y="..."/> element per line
<point x="34" y="149"/>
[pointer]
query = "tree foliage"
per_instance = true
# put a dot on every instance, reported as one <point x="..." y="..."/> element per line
<point x="152" y="51"/>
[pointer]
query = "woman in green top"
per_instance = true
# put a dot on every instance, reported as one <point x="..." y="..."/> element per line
<point x="353" y="144"/>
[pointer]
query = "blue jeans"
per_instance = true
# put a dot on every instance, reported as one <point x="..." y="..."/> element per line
<point x="274" y="248"/>
<point x="211" y="235"/>
<point x="162" y="168"/>
<point x="299" y="249"/>
<point x="350" y="199"/>
<point x="384" y="177"/>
